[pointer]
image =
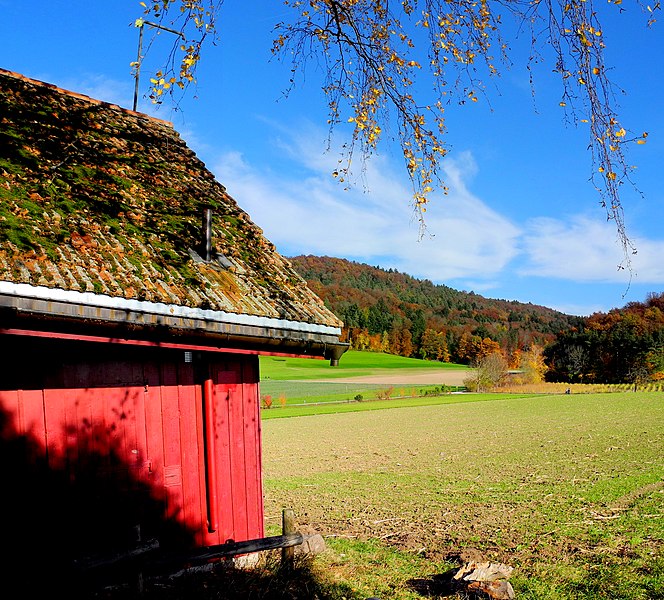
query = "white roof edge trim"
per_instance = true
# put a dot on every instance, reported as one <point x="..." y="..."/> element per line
<point x="159" y="308"/>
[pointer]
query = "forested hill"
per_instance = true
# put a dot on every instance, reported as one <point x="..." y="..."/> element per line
<point x="391" y="311"/>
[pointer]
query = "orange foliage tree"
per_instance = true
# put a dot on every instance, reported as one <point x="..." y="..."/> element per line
<point x="623" y="345"/>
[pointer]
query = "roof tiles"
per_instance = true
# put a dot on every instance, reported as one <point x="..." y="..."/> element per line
<point x="96" y="198"/>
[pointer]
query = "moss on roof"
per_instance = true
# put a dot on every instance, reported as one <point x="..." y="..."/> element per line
<point x="100" y="199"/>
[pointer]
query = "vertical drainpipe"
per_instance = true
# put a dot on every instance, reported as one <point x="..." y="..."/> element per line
<point x="211" y="478"/>
<point x="208" y="404"/>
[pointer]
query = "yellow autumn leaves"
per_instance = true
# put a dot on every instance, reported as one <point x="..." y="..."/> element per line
<point x="372" y="78"/>
<point x="196" y="18"/>
<point x="613" y="139"/>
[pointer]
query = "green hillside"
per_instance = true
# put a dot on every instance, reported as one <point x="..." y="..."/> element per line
<point x="389" y="311"/>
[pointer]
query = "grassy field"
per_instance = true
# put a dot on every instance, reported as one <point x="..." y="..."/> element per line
<point x="352" y="364"/>
<point x="404" y="398"/>
<point x="566" y="488"/>
<point x="569" y="490"/>
<point x="290" y="382"/>
<point x="296" y="398"/>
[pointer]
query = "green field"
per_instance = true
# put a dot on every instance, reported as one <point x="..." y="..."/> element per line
<point x="352" y="364"/>
<point x="325" y="405"/>
<point x="297" y="398"/>
<point x="301" y="382"/>
<point x="569" y="490"/>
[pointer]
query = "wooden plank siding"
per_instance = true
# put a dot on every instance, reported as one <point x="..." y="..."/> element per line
<point x="127" y="436"/>
<point x="237" y="437"/>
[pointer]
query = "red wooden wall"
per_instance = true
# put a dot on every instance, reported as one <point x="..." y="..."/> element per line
<point x="115" y="438"/>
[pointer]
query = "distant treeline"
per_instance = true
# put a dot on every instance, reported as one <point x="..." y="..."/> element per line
<point x="624" y="345"/>
<point x="388" y="311"/>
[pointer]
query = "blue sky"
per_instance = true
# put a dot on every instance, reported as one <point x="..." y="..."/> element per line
<point x="521" y="221"/>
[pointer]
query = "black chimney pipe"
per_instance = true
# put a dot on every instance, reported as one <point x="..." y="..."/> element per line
<point x="207" y="234"/>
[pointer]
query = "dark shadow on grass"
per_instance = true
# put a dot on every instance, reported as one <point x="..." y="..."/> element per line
<point x="440" y="585"/>
<point x="269" y="580"/>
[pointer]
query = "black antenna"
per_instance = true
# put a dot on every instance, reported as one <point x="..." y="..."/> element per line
<point x="140" y="23"/>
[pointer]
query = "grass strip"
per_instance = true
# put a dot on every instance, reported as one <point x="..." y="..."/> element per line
<point x="329" y="407"/>
<point x="282" y="393"/>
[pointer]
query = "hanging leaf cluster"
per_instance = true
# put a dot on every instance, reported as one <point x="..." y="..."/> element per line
<point x="195" y="22"/>
<point x="393" y="69"/>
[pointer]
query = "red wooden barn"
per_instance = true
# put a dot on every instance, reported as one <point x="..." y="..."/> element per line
<point x="135" y="298"/>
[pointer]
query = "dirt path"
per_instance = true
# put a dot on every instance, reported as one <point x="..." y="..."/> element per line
<point x="442" y="376"/>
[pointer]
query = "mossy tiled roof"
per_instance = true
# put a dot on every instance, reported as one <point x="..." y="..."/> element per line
<point x="95" y="198"/>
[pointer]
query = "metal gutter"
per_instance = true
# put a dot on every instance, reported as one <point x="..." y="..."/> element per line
<point x="123" y="322"/>
<point x="57" y="301"/>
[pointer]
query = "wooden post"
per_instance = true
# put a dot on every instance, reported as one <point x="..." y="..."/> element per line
<point x="288" y="526"/>
<point x="139" y="578"/>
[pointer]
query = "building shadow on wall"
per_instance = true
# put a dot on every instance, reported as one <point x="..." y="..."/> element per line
<point x="54" y="520"/>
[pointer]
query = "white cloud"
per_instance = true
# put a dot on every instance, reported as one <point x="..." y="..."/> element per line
<point x="373" y="222"/>
<point x="648" y="262"/>
<point x="477" y="286"/>
<point x="587" y="250"/>
<point x="579" y="310"/>
<point x="467" y="245"/>
<point x="100" y="87"/>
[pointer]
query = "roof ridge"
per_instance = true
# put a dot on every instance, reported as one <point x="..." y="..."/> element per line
<point x="80" y="96"/>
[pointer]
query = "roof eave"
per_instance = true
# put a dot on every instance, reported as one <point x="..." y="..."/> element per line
<point x="258" y="336"/>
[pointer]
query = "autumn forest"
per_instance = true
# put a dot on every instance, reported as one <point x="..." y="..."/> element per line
<point x="388" y="311"/>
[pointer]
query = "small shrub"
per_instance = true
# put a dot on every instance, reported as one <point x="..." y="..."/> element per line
<point x="267" y="401"/>
<point x="384" y="394"/>
<point x="359" y="398"/>
<point x="471" y="384"/>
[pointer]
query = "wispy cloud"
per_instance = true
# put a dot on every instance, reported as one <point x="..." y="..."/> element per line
<point x="581" y="249"/>
<point x="100" y="87"/>
<point x="467" y="244"/>
<point x="373" y="221"/>
<point x="113" y="91"/>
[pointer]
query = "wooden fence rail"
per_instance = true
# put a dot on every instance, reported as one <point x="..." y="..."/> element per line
<point x="149" y="558"/>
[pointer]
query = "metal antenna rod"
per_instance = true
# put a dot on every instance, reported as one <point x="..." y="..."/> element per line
<point x="140" y="23"/>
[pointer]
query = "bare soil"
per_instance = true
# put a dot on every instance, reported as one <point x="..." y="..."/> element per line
<point x="434" y="377"/>
<point x="531" y="483"/>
